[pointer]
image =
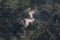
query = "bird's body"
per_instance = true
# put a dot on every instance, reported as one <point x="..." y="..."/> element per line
<point x="30" y="18"/>
<point x="27" y="21"/>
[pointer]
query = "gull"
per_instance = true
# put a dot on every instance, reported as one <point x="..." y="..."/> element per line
<point x="30" y="19"/>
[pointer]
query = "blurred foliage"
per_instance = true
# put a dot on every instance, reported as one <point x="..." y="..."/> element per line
<point x="45" y="27"/>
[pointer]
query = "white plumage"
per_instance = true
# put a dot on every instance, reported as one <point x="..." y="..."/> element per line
<point x="29" y="20"/>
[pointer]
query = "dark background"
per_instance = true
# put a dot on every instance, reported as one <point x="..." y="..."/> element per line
<point x="46" y="26"/>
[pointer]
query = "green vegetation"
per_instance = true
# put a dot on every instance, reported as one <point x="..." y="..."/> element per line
<point x="46" y="26"/>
